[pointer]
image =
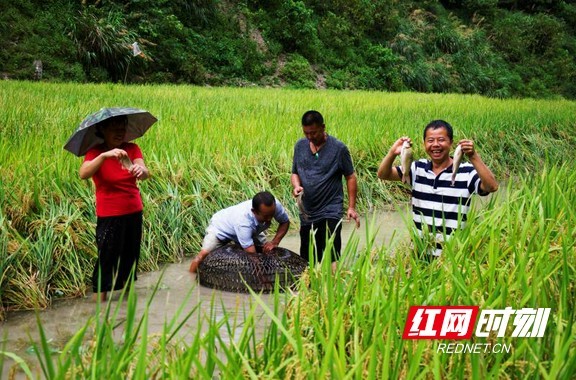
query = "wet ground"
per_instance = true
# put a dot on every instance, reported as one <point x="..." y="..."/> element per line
<point x="176" y="286"/>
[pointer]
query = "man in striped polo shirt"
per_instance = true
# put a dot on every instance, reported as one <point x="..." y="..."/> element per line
<point x="438" y="208"/>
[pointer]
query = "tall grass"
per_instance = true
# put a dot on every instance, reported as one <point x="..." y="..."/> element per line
<point x="214" y="147"/>
<point x="517" y="251"/>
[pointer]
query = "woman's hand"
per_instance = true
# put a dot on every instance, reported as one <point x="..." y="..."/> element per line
<point x="89" y="168"/>
<point x="138" y="171"/>
<point x="115" y="153"/>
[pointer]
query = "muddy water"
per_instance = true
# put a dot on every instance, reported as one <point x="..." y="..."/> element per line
<point x="176" y="287"/>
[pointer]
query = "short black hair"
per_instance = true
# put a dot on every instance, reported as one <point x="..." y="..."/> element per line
<point x="312" y="118"/>
<point x="435" y="124"/>
<point x="263" y="197"/>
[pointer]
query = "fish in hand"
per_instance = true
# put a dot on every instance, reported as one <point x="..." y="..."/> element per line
<point x="456" y="163"/>
<point x="406" y="161"/>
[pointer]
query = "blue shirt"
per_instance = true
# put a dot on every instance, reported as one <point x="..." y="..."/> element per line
<point x="238" y="223"/>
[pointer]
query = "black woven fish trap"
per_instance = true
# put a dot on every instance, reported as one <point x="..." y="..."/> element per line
<point x="231" y="269"/>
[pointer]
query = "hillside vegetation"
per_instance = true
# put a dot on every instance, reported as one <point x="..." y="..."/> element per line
<point x="495" y="48"/>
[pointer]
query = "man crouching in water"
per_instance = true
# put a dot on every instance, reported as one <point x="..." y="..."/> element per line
<point x="245" y="224"/>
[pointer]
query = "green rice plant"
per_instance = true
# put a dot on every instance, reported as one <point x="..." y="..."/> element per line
<point x="214" y="147"/>
<point x="97" y="350"/>
<point x="23" y="290"/>
<point x="349" y="323"/>
<point x="18" y="361"/>
<point x="473" y="270"/>
<point x="8" y="253"/>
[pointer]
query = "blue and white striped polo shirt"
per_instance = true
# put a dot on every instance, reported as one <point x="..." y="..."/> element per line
<point x="437" y="206"/>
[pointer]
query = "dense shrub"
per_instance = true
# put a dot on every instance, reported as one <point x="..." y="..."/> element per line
<point x="298" y="72"/>
<point x="541" y="51"/>
<point x="495" y="48"/>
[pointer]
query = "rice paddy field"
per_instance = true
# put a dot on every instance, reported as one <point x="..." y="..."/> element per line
<point x="213" y="147"/>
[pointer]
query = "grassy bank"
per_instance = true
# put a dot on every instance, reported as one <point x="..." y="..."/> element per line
<point x="211" y="148"/>
<point x="520" y="253"/>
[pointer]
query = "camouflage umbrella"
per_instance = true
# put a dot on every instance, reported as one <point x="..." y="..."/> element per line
<point x="85" y="137"/>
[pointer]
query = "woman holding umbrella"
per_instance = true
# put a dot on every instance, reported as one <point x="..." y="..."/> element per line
<point x="115" y="165"/>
